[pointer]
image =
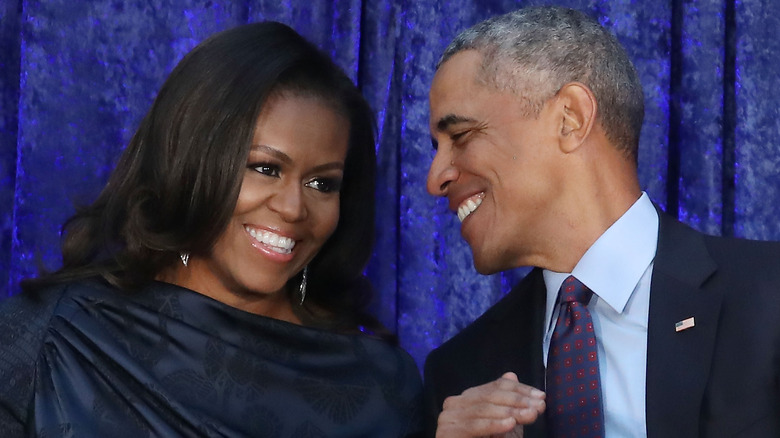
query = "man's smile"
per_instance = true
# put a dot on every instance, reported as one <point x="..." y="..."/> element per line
<point x="469" y="205"/>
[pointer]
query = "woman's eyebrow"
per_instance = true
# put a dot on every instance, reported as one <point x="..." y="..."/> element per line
<point x="276" y="153"/>
<point x="281" y="156"/>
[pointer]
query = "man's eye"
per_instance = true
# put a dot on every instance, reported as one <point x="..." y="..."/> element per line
<point x="266" y="169"/>
<point x="325" y="185"/>
<point x="458" y="135"/>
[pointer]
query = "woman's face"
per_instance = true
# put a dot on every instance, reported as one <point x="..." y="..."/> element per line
<point x="287" y="208"/>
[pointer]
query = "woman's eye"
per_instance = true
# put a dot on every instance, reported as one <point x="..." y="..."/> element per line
<point x="325" y="185"/>
<point x="266" y="169"/>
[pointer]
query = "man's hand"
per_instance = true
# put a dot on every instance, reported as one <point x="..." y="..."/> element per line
<point x="495" y="409"/>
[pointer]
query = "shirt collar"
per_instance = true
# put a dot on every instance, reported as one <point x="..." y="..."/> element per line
<point x="615" y="263"/>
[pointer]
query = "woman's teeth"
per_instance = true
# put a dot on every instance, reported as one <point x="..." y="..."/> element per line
<point x="273" y="241"/>
<point x="468" y="206"/>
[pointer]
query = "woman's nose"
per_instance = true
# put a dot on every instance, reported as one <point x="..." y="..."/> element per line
<point x="289" y="202"/>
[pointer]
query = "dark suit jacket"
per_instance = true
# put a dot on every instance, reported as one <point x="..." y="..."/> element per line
<point x="720" y="378"/>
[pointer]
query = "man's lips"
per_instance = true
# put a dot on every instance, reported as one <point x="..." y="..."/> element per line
<point x="469" y="205"/>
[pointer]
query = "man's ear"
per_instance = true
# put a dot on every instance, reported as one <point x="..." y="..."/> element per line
<point x="578" y="114"/>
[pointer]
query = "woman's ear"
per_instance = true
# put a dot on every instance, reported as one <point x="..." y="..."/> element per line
<point x="578" y="113"/>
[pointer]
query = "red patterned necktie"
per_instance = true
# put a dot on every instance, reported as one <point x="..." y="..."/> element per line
<point x="573" y="382"/>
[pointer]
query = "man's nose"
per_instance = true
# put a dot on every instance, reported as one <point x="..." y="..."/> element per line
<point x="441" y="173"/>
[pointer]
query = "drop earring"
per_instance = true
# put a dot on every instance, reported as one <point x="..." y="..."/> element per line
<point x="185" y="258"/>
<point x="302" y="288"/>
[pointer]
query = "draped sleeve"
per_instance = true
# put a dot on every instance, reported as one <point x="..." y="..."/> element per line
<point x="167" y="361"/>
<point x="23" y="322"/>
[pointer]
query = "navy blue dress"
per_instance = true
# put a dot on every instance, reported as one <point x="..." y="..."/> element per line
<point x="86" y="360"/>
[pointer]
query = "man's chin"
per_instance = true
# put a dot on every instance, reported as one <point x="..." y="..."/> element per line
<point x="486" y="265"/>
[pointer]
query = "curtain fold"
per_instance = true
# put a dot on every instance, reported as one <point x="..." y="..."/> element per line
<point x="10" y="48"/>
<point x="697" y="115"/>
<point x="76" y="77"/>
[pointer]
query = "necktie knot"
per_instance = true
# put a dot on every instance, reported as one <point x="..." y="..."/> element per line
<point x="572" y="290"/>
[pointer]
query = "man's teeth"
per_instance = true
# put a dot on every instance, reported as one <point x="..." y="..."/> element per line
<point x="468" y="207"/>
<point x="275" y="242"/>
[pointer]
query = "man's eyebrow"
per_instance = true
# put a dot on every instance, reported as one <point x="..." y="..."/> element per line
<point x="276" y="153"/>
<point x="451" y="119"/>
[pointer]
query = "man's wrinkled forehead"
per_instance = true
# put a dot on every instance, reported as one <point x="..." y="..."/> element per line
<point x="452" y="81"/>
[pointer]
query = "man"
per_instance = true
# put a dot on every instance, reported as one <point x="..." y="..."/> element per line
<point x="536" y="118"/>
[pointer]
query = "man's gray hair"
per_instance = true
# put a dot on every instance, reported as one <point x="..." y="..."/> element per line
<point x="535" y="51"/>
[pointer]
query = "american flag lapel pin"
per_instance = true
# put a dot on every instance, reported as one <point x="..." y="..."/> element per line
<point x="685" y="324"/>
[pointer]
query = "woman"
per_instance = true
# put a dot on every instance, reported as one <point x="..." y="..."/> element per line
<point x="215" y="286"/>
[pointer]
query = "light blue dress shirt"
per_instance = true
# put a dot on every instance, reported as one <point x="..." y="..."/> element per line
<point x="617" y="268"/>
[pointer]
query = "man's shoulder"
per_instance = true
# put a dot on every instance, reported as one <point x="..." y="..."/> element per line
<point x="739" y="247"/>
<point x="675" y="235"/>
<point x="686" y="253"/>
<point x="752" y="263"/>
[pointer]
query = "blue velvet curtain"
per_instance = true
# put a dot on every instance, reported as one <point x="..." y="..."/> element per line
<point x="77" y="76"/>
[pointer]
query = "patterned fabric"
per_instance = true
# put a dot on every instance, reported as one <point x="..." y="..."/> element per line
<point x="86" y="360"/>
<point x="573" y="381"/>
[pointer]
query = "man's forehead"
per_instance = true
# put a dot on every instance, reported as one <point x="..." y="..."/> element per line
<point x="452" y="85"/>
<point x="459" y="68"/>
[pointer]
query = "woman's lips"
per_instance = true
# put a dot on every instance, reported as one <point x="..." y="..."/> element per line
<point x="273" y="241"/>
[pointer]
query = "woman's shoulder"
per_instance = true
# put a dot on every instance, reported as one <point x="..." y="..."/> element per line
<point x="397" y="374"/>
<point x="38" y="304"/>
<point x="32" y="306"/>
<point x="25" y="317"/>
<point x="24" y="320"/>
<point x="390" y="362"/>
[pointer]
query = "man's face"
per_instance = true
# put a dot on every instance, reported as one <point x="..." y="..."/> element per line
<point x="498" y="167"/>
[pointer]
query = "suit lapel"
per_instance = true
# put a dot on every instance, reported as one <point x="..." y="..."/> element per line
<point x="678" y="363"/>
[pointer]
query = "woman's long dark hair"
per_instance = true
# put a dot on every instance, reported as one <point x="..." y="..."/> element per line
<point x="175" y="186"/>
